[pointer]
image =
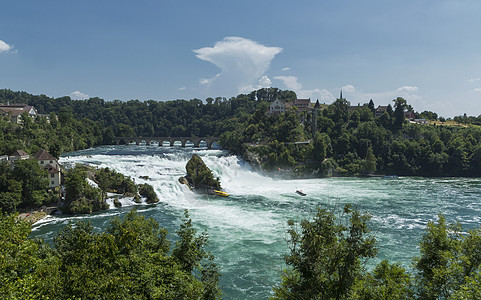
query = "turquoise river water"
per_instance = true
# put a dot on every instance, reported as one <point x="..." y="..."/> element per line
<point x="248" y="229"/>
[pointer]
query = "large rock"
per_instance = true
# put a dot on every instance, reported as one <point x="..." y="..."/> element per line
<point x="199" y="176"/>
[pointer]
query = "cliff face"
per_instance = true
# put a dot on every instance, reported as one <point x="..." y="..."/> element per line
<point x="199" y="176"/>
<point x="253" y="159"/>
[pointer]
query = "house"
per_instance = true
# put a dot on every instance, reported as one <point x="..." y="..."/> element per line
<point x="277" y="107"/>
<point x="50" y="163"/>
<point x="409" y="115"/>
<point x="380" y="110"/>
<point x="354" y="107"/>
<point x="14" y="111"/>
<point x="302" y="104"/>
<point x="19" y="154"/>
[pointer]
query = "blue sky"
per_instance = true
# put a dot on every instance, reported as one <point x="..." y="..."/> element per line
<point x="428" y="52"/>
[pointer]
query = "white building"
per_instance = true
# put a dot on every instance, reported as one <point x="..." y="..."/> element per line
<point x="277" y="107"/>
<point x="50" y="163"/>
<point x="19" y="154"/>
<point x="14" y="111"/>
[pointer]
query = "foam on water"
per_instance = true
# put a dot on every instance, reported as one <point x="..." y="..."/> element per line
<point x="247" y="230"/>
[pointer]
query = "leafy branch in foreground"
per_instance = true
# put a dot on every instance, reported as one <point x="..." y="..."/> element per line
<point x="327" y="260"/>
<point x="129" y="260"/>
<point x="326" y="256"/>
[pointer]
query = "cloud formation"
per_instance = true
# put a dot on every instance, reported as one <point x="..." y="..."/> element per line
<point x="292" y="83"/>
<point x="264" y="82"/>
<point x="77" y="95"/>
<point x="408" y="89"/>
<point x="477" y="90"/>
<point x="243" y="63"/>
<point x="348" y="88"/>
<point x="4" y="47"/>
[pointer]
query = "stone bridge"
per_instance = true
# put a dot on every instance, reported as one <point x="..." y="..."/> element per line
<point x="209" y="141"/>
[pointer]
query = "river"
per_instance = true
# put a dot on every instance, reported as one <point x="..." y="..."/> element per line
<point x="247" y="230"/>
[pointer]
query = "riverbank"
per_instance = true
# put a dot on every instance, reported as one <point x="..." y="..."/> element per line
<point x="33" y="216"/>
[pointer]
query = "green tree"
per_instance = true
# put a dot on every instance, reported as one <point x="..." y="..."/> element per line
<point x="321" y="144"/>
<point x="386" y="282"/>
<point x="339" y="110"/>
<point x="450" y="262"/>
<point x="147" y="191"/>
<point x="371" y="105"/>
<point x="191" y="255"/>
<point x="12" y="197"/>
<point x="399" y="106"/>
<point x="17" y="257"/>
<point x="80" y="196"/>
<point x="34" y="181"/>
<point x="129" y="260"/>
<point x="326" y="256"/>
<point x="108" y="136"/>
<point x="370" y="161"/>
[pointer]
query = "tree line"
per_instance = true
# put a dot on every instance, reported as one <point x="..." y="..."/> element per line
<point x="24" y="186"/>
<point x="327" y="259"/>
<point x="181" y="118"/>
<point x="354" y="141"/>
<point x="348" y="141"/>
<point x="131" y="259"/>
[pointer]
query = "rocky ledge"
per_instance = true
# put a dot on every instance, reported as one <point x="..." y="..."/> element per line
<point x="199" y="177"/>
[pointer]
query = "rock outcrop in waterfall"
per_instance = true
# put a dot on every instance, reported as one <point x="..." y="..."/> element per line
<point x="199" y="177"/>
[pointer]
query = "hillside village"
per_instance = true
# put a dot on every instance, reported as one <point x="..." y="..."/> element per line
<point x="15" y="112"/>
<point x="278" y="107"/>
<point x="45" y="159"/>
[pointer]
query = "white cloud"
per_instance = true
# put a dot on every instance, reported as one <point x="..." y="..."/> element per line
<point x="408" y="89"/>
<point x="263" y="82"/>
<point x="290" y="82"/>
<point x="4" y="47"/>
<point x="183" y="88"/>
<point x="323" y="95"/>
<point x="348" y="88"/>
<point x="477" y="90"/>
<point x="286" y="69"/>
<point x="474" y="79"/>
<point x="77" y="95"/>
<point x="242" y="62"/>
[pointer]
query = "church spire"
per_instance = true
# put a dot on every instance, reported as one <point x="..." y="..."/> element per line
<point x="341" y="95"/>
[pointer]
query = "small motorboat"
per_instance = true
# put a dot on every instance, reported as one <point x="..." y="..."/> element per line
<point x="300" y="192"/>
<point x="220" y="193"/>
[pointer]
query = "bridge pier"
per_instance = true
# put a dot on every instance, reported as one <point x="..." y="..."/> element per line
<point x="160" y="140"/>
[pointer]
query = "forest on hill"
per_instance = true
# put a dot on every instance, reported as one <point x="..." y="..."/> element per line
<point x="355" y="141"/>
<point x="346" y="141"/>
